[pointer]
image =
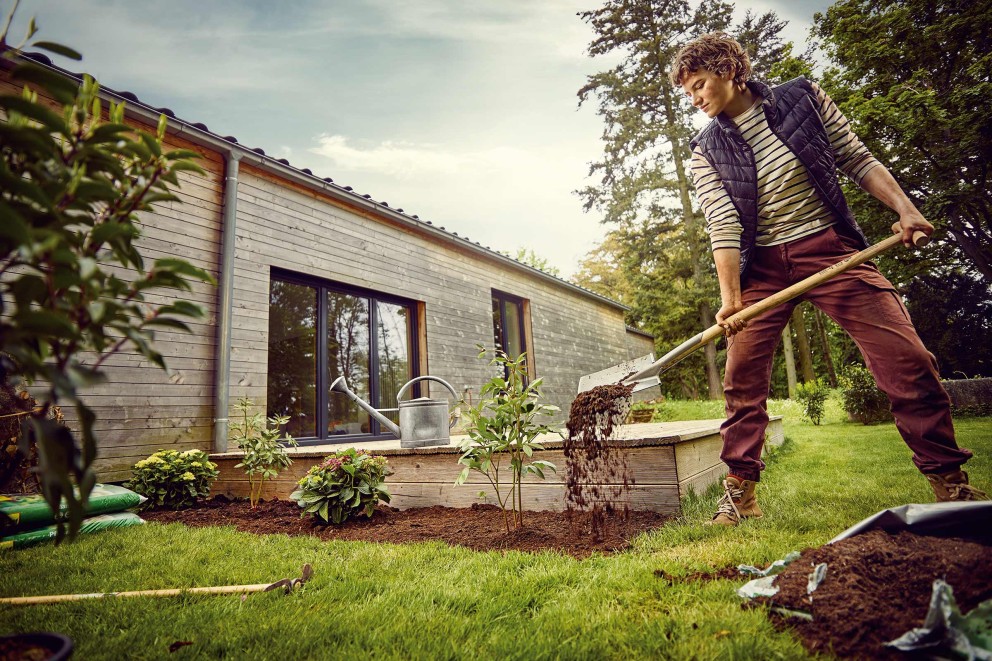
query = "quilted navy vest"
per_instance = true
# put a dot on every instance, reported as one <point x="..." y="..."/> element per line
<point x="792" y="115"/>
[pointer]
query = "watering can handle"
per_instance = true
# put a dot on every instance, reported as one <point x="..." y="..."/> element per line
<point x="426" y="378"/>
<point x="429" y="378"/>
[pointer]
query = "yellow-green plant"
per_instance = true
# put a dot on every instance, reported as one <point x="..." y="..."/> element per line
<point x="812" y="395"/>
<point x="505" y="425"/>
<point x="172" y="479"/>
<point x="263" y="443"/>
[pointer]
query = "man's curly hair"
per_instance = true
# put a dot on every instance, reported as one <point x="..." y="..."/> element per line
<point x="716" y="52"/>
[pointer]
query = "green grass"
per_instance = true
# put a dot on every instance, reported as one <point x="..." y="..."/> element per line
<point x="432" y="601"/>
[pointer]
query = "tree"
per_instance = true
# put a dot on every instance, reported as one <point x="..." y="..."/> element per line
<point x="530" y="258"/>
<point x="644" y="186"/>
<point x="918" y="97"/>
<point x="72" y="283"/>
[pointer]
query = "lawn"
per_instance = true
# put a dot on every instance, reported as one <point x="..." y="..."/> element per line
<point x="433" y="601"/>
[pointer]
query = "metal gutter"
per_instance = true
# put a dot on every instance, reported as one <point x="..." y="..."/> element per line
<point x="225" y="301"/>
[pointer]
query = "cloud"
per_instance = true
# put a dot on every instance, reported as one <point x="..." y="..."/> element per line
<point x="407" y="160"/>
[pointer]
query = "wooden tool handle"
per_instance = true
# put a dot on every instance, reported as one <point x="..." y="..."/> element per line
<point x="667" y="361"/>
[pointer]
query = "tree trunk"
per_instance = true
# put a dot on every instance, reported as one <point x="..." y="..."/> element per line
<point x="821" y="331"/>
<point x="713" y="381"/>
<point x="692" y="225"/>
<point x="790" y="360"/>
<point x="802" y="344"/>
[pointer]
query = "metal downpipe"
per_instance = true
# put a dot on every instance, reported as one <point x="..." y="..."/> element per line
<point x="225" y="310"/>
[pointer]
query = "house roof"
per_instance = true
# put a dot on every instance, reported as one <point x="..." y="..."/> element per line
<point x="198" y="133"/>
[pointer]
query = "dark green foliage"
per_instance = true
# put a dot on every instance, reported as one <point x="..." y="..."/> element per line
<point x="72" y="281"/>
<point x="861" y="398"/>
<point x="913" y="77"/>
<point x="173" y="480"/>
<point x="345" y="484"/>
<point x="812" y="395"/>
<point x="957" y="328"/>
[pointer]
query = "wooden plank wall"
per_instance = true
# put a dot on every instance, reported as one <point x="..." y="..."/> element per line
<point x="296" y="229"/>
<point x="427" y="479"/>
<point x="141" y="408"/>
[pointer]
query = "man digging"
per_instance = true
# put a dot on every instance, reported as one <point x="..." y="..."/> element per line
<point x="765" y="172"/>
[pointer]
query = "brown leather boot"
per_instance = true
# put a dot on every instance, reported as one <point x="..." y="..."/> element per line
<point x="954" y="486"/>
<point x="738" y="502"/>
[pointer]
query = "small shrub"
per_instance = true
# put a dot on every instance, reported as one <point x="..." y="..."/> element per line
<point x="170" y="479"/>
<point x="262" y="442"/>
<point x="861" y="398"/>
<point x="812" y="395"/>
<point x="345" y="483"/>
<point x="505" y="425"/>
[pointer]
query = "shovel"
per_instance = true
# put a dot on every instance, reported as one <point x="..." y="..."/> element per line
<point x="644" y="372"/>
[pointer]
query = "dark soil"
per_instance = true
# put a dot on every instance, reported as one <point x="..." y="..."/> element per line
<point x="878" y="587"/>
<point x="479" y="527"/>
<point x="597" y="478"/>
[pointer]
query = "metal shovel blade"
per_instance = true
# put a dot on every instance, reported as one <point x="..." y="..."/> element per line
<point x="618" y="373"/>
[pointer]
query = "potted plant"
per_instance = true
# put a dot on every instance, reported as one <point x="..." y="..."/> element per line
<point x="40" y="645"/>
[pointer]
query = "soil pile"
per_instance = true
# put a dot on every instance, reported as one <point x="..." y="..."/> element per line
<point x="479" y="527"/>
<point x="597" y="479"/>
<point x="878" y="587"/>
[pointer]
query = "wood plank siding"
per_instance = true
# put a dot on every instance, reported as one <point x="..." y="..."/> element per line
<point x="665" y="461"/>
<point x="295" y="229"/>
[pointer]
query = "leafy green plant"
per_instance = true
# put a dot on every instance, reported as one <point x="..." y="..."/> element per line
<point x="812" y="395"/>
<point x="346" y="483"/>
<point x="861" y="398"/>
<point x="171" y="479"/>
<point x="72" y="281"/>
<point x="504" y="425"/>
<point x="262" y="442"/>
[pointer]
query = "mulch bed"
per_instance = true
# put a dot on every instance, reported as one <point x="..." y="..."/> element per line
<point x="479" y="527"/>
<point x="878" y="587"/>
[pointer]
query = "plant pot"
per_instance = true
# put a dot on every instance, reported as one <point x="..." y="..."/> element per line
<point x="35" y="645"/>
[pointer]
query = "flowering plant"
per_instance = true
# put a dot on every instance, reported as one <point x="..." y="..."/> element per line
<point x="172" y="479"/>
<point x="345" y="483"/>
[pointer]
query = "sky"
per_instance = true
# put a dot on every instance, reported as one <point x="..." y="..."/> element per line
<point x="464" y="112"/>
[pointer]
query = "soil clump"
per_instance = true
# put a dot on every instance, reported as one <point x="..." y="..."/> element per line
<point x="479" y="527"/>
<point x="878" y="587"/>
<point x="597" y="479"/>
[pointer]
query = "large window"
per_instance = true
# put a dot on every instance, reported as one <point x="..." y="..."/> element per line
<point x="320" y="331"/>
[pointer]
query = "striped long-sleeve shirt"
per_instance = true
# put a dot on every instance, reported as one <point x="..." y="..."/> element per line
<point x="788" y="206"/>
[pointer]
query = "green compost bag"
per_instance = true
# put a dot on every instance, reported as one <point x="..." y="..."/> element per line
<point x="28" y="511"/>
<point x="90" y="525"/>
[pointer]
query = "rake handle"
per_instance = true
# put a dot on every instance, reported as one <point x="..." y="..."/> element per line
<point x="669" y="360"/>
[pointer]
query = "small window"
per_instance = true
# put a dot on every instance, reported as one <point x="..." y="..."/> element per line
<point x="511" y="326"/>
<point x="319" y="331"/>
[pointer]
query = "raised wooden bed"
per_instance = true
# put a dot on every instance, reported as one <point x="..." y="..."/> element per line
<point x="666" y="460"/>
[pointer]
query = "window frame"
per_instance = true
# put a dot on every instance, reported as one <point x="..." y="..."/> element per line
<point x="376" y="430"/>
<point x="523" y="322"/>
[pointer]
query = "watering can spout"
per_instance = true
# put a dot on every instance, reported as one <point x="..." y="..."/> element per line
<point x="339" y="385"/>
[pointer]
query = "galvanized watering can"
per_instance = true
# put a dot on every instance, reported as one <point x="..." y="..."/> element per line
<point x="424" y="422"/>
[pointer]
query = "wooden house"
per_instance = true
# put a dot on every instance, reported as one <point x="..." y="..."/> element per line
<point x="315" y="281"/>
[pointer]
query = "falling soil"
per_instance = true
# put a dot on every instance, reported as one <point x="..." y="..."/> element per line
<point x="479" y="527"/>
<point x="597" y="479"/>
<point x="878" y="587"/>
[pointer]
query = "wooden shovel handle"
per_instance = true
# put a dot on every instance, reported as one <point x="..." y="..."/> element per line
<point x="667" y="361"/>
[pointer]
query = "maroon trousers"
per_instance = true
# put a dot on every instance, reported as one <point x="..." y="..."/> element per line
<point x="865" y="305"/>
